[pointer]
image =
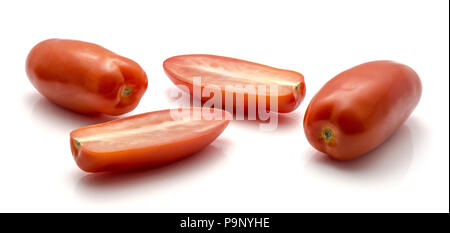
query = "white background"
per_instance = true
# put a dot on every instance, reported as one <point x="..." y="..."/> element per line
<point x="244" y="170"/>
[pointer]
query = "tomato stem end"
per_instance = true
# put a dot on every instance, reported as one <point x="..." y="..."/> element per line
<point x="327" y="134"/>
<point x="77" y="144"/>
<point x="126" y="91"/>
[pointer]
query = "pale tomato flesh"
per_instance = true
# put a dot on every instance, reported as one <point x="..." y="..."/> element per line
<point x="230" y="75"/>
<point x="146" y="139"/>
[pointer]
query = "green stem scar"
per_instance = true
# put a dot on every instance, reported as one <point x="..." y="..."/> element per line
<point x="126" y="91"/>
<point x="77" y="144"/>
<point x="327" y="134"/>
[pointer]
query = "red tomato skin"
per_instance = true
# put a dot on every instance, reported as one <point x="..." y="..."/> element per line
<point x="85" y="77"/>
<point x="362" y="107"/>
<point x="286" y="103"/>
<point x="91" y="161"/>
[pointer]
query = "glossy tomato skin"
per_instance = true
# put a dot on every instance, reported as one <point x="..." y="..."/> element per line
<point x="360" y="108"/>
<point x="183" y="68"/>
<point x="85" y="77"/>
<point x="143" y="140"/>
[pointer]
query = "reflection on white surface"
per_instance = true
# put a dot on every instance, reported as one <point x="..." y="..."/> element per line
<point x="150" y="180"/>
<point x="51" y="116"/>
<point x="285" y="121"/>
<point x="384" y="166"/>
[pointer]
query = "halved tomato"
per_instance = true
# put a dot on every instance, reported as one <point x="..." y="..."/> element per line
<point x="146" y="139"/>
<point x="230" y="76"/>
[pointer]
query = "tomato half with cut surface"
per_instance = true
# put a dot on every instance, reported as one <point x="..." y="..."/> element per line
<point x="85" y="77"/>
<point x="361" y="107"/>
<point x="231" y="77"/>
<point x="147" y="139"/>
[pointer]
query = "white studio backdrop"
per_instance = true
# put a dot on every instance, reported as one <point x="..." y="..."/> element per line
<point x="245" y="169"/>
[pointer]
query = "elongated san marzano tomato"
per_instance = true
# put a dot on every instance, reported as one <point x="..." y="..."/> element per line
<point x="224" y="71"/>
<point x="361" y="107"/>
<point x="85" y="77"/>
<point x="146" y="139"/>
